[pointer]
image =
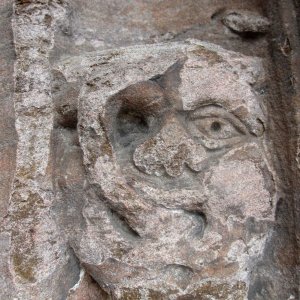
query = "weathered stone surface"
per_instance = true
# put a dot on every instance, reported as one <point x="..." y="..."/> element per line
<point x="149" y="150"/>
<point x="179" y="166"/>
<point x="246" y="22"/>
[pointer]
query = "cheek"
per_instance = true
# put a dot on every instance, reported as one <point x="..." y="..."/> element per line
<point x="238" y="188"/>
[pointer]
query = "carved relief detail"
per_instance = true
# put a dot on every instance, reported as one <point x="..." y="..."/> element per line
<point x="173" y="143"/>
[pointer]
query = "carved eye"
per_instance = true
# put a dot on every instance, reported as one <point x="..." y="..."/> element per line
<point x="216" y="128"/>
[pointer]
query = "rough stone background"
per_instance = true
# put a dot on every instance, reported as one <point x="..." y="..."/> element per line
<point x="35" y="34"/>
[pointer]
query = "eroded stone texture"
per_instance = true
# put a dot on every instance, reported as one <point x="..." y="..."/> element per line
<point x="8" y="139"/>
<point x="180" y="195"/>
<point x="149" y="165"/>
<point x="38" y="254"/>
<point x="246" y="22"/>
<point x="101" y="24"/>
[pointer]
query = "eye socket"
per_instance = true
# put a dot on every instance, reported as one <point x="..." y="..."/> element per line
<point x="217" y="128"/>
<point x="132" y="126"/>
<point x="130" y="122"/>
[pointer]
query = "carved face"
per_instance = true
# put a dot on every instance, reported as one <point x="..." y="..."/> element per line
<point x="181" y="195"/>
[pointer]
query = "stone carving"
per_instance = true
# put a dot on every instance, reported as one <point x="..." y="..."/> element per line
<point x="180" y="194"/>
<point x="152" y="171"/>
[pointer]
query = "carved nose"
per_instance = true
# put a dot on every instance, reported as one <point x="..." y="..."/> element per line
<point x="168" y="151"/>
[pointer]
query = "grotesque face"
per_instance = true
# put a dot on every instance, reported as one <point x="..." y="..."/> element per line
<point x="180" y="195"/>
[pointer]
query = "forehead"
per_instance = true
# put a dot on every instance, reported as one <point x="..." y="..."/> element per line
<point x="208" y="74"/>
<point x="223" y="78"/>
